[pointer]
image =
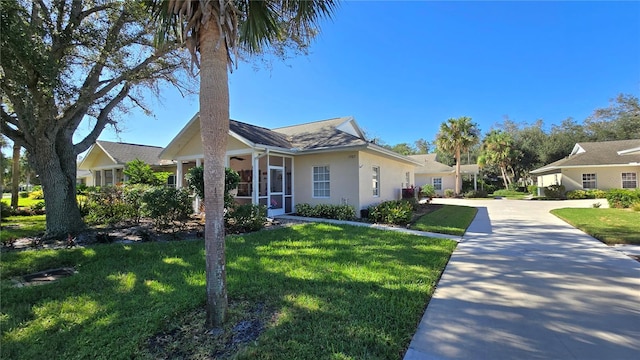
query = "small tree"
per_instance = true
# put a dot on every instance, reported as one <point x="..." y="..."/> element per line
<point x="195" y="180"/>
<point x="139" y="172"/>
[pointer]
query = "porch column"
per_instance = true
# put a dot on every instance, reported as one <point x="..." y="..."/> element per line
<point x="198" y="198"/>
<point x="475" y="181"/>
<point x="255" y="178"/>
<point x="102" y="177"/>
<point x="179" y="175"/>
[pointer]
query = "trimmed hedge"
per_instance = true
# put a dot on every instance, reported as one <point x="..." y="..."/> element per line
<point x="623" y="198"/>
<point x="326" y="211"/>
<point x="397" y="212"/>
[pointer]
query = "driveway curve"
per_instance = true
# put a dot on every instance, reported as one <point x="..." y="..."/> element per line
<point x="523" y="284"/>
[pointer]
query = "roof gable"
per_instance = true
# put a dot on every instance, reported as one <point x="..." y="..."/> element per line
<point x="115" y="153"/>
<point x="429" y="164"/>
<point x="601" y="153"/>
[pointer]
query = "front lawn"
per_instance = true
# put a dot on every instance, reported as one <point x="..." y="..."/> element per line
<point x="450" y="219"/>
<point x="611" y="226"/>
<point x="323" y="291"/>
<point x="15" y="227"/>
<point x="22" y="202"/>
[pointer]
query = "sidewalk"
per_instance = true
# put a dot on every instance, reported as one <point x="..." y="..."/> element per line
<point x="525" y="285"/>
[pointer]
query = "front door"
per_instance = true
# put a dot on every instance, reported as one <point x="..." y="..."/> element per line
<point x="276" y="191"/>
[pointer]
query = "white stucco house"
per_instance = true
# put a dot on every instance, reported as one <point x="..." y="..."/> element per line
<point x="322" y="162"/>
<point x="440" y="175"/>
<point x="595" y="165"/>
<point x="105" y="161"/>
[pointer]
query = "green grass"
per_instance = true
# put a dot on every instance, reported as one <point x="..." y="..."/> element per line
<point x="510" y="194"/>
<point x="338" y="292"/>
<point x="22" y="202"/>
<point x="611" y="226"/>
<point x="15" y="227"/>
<point x="450" y="219"/>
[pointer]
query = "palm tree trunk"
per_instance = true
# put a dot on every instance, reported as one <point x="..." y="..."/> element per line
<point x="458" y="186"/>
<point x="504" y="177"/>
<point x="214" y="126"/>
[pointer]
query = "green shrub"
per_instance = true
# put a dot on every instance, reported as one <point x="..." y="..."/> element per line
<point x="504" y="192"/>
<point x="597" y="194"/>
<point x="106" y="205"/>
<point x="38" y="207"/>
<point x="167" y="205"/>
<point x="475" y="194"/>
<point x="428" y="191"/>
<point x="246" y="218"/>
<point x="195" y="180"/>
<point x="391" y="212"/>
<point x="578" y="194"/>
<point x="161" y="177"/>
<point x="36" y="194"/>
<point x="622" y="198"/>
<point x="5" y="210"/>
<point x="81" y="189"/>
<point x="449" y="193"/>
<point x="23" y="194"/>
<point x="532" y="189"/>
<point x="326" y="211"/>
<point x="554" y="192"/>
<point x="133" y="197"/>
<point x="304" y="209"/>
<point x="139" y="172"/>
<point x="636" y="206"/>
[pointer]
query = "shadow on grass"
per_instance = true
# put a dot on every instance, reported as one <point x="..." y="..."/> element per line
<point x="346" y="291"/>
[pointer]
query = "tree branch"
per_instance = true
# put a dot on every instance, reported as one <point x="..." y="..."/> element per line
<point x="102" y="121"/>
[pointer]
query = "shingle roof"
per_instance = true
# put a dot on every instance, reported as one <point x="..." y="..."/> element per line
<point x="259" y="135"/>
<point x="430" y="165"/>
<point x="597" y="154"/>
<point x="320" y="135"/>
<point x="122" y="153"/>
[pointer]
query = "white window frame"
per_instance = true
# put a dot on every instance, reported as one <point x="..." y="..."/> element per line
<point x="433" y="182"/>
<point x="586" y="178"/>
<point x="325" y="191"/>
<point x="634" y="180"/>
<point x="375" y="180"/>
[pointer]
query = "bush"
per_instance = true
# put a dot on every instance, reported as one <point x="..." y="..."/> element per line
<point x="636" y="206"/>
<point x="5" y="210"/>
<point x="597" y="194"/>
<point x="397" y="212"/>
<point x="38" y="208"/>
<point x="195" y="179"/>
<point x="532" y="189"/>
<point x="475" y="194"/>
<point x="449" y="193"/>
<point x="167" y="205"/>
<point x="133" y="197"/>
<point x="106" y="205"/>
<point x="578" y="194"/>
<point x="24" y="194"/>
<point x="246" y="217"/>
<point x="326" y="211"/>
<point x="622" y="198"/>
<point x="139" y="172"/>
<point x="304" y="209"/>
<point x="81" y="189"/>
<point x="36" y="194"/>
<point x="428" y="191"/>
<point x="554" y="192"/>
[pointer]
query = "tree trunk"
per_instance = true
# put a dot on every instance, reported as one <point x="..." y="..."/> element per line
<point x="458" y="185"/>
<point x="504" y="177"/>
<point x="15" y="175"/>
<point x="214" y="127"/>
<point x="55" y="163"/>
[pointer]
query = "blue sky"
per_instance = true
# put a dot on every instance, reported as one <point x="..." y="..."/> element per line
<point x="402" y="68"/>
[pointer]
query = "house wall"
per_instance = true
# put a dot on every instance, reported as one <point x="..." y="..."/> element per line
<point x="548" y="180"/>
<point x="392" y="179"/>
<point x="448" y="181"/>
<point x="343" y="170"/>
<point x="606" y="177"/>
<point x="193" y="147"/>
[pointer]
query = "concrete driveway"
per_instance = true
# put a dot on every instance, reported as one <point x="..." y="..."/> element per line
<point x="525" y="285"/>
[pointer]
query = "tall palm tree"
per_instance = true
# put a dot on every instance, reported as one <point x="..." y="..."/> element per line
<point x="214" y="31"/>
<point x="457" y="136"/>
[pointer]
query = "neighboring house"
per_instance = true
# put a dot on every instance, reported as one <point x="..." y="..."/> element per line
<point x="323" y="162"/>
<point x="595" y="165"/>
<point x="106" y="160"/>
<point x="439" y="175"/>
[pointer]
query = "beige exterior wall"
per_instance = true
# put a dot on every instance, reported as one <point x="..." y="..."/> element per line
<point x="448" y="181"/>
<point x="192" y="148"/>
<point x="392" y="178"/>
<point x="549" y="179"/>
<point x="606" y="177"/>
<point x="343" y="172"/>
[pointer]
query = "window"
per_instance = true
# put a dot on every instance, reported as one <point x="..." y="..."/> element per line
<point x="321" y="188"/>
<point x="629" y="180"/>
<point x="408" y="177"/>
<point x="589" y="181"/>
<point x="376" y="180"/>
<point x="437" y="183"/>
